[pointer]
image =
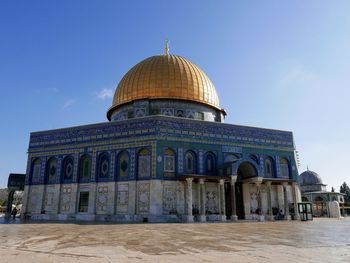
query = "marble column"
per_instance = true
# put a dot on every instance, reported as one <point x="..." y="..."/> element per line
<point x="295" y="199"/>
<point x="189" y="216"/>
<point x="201" y="198"/>
<point x="258" y="181"/>
<point x="222" y="200"/>
<point x="285" y="197"/>
<point x="258" y="195"/>
<point x="269" y="201"/>
<point x="233" y="199"/>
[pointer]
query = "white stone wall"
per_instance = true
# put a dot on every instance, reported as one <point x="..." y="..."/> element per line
<point x="35" y="198"/>
<point x="155" y="200"/>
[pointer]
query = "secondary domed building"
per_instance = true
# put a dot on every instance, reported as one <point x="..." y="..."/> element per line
<point x="313" y="190"/>
<point x="165" y="155"/>
<point x="311" y="181"/>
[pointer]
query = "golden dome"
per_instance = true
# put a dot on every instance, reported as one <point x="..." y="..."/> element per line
<point x="165" y="77"/>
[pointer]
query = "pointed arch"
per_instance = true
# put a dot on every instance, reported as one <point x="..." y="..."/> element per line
<point x="269" y="167"/>
<point x="84" y="168"/>
<point x="123" y="164"/>
<point x="144" y="163"/>
<point x="51" y="170"/>
<point x="210" y="163"/>
<point x="67" y="169"/>
<point x="246" y="170"/>
<point x="103" y="167"/>
<point x="35" y="171"/>
<point x="190" y="162"/>
<point x="169" y="162"/>
<point x="285" y="168"/>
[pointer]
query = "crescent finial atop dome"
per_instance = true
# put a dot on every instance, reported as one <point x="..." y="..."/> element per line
<point x="166" y="47"/>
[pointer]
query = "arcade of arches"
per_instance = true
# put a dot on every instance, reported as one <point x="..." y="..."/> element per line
<point x="243" y="196"/>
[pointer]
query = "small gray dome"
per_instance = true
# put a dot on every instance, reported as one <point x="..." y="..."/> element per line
<point x="309" y="178"/>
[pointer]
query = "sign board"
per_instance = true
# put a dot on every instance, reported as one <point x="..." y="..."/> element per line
<point x="16" y="182"/>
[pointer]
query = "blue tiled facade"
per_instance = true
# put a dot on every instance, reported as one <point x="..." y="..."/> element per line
<point x="157" y="133"/>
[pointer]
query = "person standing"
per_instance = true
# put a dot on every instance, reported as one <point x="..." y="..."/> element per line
<point x="14" y="213"/>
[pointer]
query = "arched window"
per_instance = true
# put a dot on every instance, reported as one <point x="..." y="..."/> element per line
<point x="36" y="169"/>
<point x="169" y="162"/>
<point x="210" y="162"/>
<point x="284" y="168"/>
<point x="180" y="113"/>
<point x="191" y="162"/>
<point x="103" y="166"/>
<point x="269" y="167"/>
<point x="123" y="164"/>
<point x="144" y="163"/>
<point x="51" y="170"/>
<point x="68" y="168"/>
<point x="84" y="169"/>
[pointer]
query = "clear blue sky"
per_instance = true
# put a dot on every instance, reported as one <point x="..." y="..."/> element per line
<point x="276" y="64"/>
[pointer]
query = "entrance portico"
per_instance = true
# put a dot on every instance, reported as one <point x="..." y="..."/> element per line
<point x="221" y="198"/>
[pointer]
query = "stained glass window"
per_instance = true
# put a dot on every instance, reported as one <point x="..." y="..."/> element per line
<point x="84" y="172"/>
<point x="51" y="170"/>
<point x="144" y="158"/>
<point x="103" y="166"/>
<point x="36" y="171"/>
<point x="123" y="162"/>
<point x="190" y="162"/>
<point x="68" y="168"/>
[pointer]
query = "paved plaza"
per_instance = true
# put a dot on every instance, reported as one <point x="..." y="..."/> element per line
<point x="323" y="240"/>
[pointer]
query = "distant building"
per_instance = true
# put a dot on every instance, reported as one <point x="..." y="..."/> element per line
<point x="313" y="190"/>
<point x="164" y="156"/>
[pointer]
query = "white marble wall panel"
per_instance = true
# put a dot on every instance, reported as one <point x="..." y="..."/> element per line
<point x="143" y="197"/>
<point x="35" y="198"/>
<point x="212" y="198"/>
<point x="169" y="198"/>
<point x="66" y="197"/>
<point x="156" y="197"/>
<point x="180" y="197"/>
<point x="122" y="195"/>
<point x="246" y="199"/>
<point x="74" y="197"/>
<point x="132" y="197"/>
<point x="105" y="198"/>
<point x="49" y="201"/>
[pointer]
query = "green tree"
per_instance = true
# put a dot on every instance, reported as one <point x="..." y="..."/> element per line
<point x="345" y="189"/>
<point x="332" y="190"/>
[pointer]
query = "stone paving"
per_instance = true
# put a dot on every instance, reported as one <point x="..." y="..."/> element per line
<point x="322" y="240"/>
